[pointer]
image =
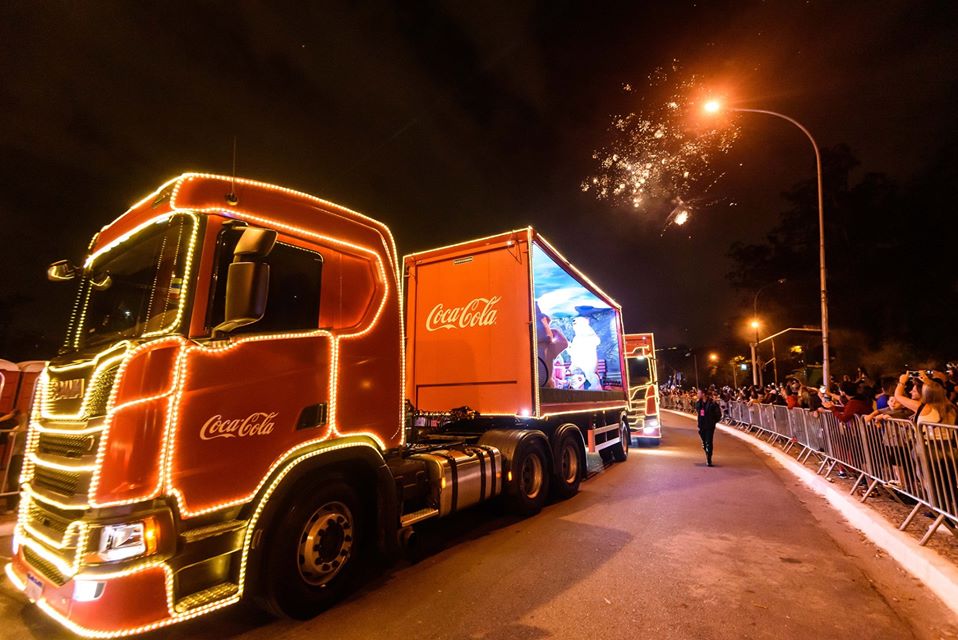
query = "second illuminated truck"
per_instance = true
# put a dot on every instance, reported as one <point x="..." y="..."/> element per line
<point x="245" y="406"/>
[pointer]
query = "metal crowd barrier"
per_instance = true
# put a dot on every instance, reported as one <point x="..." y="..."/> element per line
<point x="9" y="473"/>
<point x="915" y="464"/>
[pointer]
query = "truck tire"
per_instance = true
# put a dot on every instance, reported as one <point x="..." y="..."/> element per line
<point x="313" y="551"/>
<point x="568" y="467"/>
<point x="527" y="492"/>
<point x="620" y="451"/>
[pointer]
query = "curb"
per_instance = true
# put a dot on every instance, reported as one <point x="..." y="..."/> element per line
<point x="934" y="571"/>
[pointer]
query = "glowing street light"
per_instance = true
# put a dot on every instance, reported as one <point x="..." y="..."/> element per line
<point x="714" y="106"/>
<point x="713" y="357"/>
<point x="756" y="324"/>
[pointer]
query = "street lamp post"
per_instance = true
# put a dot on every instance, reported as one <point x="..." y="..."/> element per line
<point x="713" y="106"/>
<point x="754" y="345"/>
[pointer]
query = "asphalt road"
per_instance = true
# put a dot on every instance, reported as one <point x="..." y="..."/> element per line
<point x="658" y="547"/>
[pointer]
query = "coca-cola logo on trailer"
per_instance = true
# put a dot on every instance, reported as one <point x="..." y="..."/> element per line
<point x="255" y="424"/>
<point x="478" y="312"/>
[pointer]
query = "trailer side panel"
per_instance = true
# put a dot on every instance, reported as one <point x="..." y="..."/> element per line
<point x="468" y="329"/>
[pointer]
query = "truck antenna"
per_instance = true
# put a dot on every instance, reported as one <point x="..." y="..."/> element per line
<point x="231" y="196"/>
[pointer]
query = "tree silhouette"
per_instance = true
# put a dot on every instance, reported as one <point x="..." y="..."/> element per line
<point x="889" y="254"/>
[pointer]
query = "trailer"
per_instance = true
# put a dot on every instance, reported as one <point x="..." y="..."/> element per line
<point x="507" y="326"/>
<point x="246" y="406"/>
<point x="644" y="388"/>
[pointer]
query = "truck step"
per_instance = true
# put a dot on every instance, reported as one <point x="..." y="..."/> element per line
<point x="206" y="596"/>
<point x="410" y="519"/>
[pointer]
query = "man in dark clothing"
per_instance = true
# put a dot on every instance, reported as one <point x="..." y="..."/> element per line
<point x="709" y="414"/>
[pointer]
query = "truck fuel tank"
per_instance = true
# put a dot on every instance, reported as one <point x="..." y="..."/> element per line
<point x="463" y="476"/>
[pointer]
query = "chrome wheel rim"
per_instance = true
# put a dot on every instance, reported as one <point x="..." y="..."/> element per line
<point x="530" y="478"/>
<point x="325" y="544"/>
<point x="569" y="463"/>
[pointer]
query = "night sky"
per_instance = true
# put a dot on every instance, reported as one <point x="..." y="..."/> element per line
<point x="449" y="121"/>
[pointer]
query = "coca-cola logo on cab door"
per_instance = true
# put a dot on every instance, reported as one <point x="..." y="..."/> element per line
<point x="255" y="424"/>
<point x="478" y="312"/>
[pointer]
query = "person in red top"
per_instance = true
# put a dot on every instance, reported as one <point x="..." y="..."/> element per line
<point x="791" y="399"/>
<point x="858" y="402"/>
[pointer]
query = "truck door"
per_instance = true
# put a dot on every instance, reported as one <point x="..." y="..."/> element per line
<point x="246" y="402"/>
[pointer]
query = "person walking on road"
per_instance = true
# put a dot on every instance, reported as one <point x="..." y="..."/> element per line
<point x="709" y="414"/>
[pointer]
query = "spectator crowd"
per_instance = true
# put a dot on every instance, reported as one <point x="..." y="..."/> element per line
<point x="925" y="396"/>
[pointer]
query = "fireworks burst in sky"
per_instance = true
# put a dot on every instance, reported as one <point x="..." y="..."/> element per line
<point x="661" y="153"/>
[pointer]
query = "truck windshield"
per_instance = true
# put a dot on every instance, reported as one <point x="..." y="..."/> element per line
<point x="138" y="288"/>
<point x="639" y="370"/>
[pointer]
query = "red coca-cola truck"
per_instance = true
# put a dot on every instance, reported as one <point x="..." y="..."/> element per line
<point x="644" y="388"/>
<point x="237" y="410"/>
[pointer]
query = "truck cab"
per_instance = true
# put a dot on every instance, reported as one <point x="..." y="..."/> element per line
<point x="204" y="354"/>
<point x="643" y="388"/>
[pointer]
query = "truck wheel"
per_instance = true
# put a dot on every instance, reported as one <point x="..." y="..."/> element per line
<point x="314" y="551"/>
<point x="530" y="479"/>
<point x="620" y="451"/>
<point x="568" y="468"/>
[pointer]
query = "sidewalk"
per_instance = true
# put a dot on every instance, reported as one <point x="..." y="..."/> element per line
<point x="934" y="570"/>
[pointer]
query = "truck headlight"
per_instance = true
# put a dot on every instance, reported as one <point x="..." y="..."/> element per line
<point x="121" y="541"/>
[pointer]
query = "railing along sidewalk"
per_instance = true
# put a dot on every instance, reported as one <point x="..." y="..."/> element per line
<point x="9" y="476"/>
<point x="915" y="464"/>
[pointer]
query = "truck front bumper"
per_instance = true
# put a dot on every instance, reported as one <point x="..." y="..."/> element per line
<point x="650" y="428"/>
<point x="106" y="607"/>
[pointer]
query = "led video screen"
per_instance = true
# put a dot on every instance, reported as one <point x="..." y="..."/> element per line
<point x="576" y="331"/>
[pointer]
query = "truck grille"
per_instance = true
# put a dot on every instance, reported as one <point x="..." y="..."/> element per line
<point x="63" y="482"/>
<point x="67" y="446"/>
<point x="99" y="393"/>
<point x="49" y="518"/>
<point x="44" y="568"/>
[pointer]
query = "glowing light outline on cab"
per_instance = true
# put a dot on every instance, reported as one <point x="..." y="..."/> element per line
<point x="166" y="460"/>
<point x="172" y="416"/>
<point x="187" y="267"/>
<point x="261" y="505"/>
<point x="174" y="616"/>
<point x="376" y="226"/>
<point x="113" y="410"/>
<point x="109" y="359"/>
<point x="32" y="493"/>
<point x="49" y="464"/>
<point x="67" y="569"/>
<point x="63" y="542"/>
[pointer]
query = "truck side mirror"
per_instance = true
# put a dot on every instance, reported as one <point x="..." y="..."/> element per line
<point x="255" y="243"/>
<point x="61" y="271"/>
<point x="247" y="281"/>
